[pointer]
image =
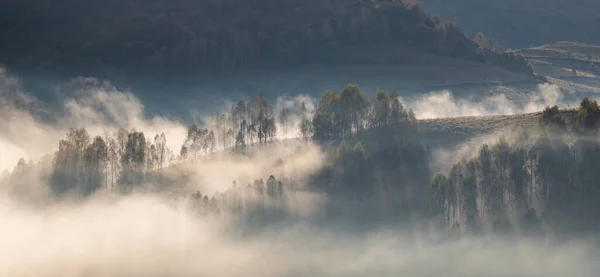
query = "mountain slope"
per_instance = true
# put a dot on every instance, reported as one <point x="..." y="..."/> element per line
<point x="523" y="23"/>
<point x="181" y="35"/>
<point x="573" y="66"/>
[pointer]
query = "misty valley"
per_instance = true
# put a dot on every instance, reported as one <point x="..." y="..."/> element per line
<point x="299" y="138"/>
<point x="340" y="167"/>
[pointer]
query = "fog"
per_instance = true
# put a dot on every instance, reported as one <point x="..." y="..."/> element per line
<point x="444" y="158"/>
<point x="148" y="234"/>
<point x="441" y="104"/>
<point x="30" y="131"/>
<point x="142" y="235"/>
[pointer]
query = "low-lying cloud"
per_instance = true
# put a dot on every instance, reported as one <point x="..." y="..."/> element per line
<point x="28" y="131"/>
<point x="443" y="104"/>
<point x="292" y="160"/>
<point x="142" y="235"/>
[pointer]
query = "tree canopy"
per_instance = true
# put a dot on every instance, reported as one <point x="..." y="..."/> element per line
<point x="214" y="35"/>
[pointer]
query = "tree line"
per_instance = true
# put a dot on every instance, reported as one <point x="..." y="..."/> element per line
<point x="124" y="161"/>
<point x="213" y="35"/>
<point x="258" y="201"/>
<point x="376" y="168"/>
<point x="345" y="114"/>
<point x="83" y="165"/>
<point x="514" y="187"/>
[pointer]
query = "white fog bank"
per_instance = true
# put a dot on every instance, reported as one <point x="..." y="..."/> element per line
<point x="442" y="104"/>
<point x="145" y="236"/>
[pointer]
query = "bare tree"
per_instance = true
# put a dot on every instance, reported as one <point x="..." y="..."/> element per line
<point x="160" y="141"/>
<point x="284" y="119"/>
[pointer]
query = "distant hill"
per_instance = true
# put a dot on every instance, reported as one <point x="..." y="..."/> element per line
<point x="570" y="65"/>
<point x="181" y="35"/>
<point x="524" y="23"/>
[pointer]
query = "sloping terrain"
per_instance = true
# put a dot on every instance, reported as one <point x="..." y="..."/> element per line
<point x="454" y="131"/>
<point x="452" y="139"/>
<point x="172" y="37"/>
<point x="573" y="66"/>
<point x="463" y="128"/>
<point x="524" y="23"/>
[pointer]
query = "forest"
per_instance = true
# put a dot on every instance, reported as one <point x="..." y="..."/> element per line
<point x="539" y="181"/>
<point x="180" y="36"/>
<point x="376" y="167"/>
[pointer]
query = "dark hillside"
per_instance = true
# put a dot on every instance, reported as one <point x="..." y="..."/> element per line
<point x="524" y="23"/>
<point x="177" y="36"/>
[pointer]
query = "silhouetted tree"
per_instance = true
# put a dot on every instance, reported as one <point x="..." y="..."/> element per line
<point x="284" y="119"/>
<point x="68" y="173"/>
<point x="588" y="117"/>
<point x="240" y="138"/>
<point x="552" y="120"/>
<point x="95" y="159"/>
<point x="133" y="162"/>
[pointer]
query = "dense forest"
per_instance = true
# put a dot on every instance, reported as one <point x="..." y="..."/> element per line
<point x="370" y="145"/>
<point x="178" y="36"/>
<point x="540" y="181"/>
<point x="376" y="170"/>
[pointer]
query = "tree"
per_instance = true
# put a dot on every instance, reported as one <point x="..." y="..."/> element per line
<point x="303" y="111"/>
<point x="79" y="139"/>
<point x="268" y="130"/>
<point x="324" y="127"/>
<point x="221" y="124"/>
<point x="323" y="119"/>
<point x="380" y="110"/>
<point x="588" y="117"/>
<point x="488" y="43"/>
<point x="111" y="161"/>
<point x="251" y="133"/>
<point x="160" y="142"/>
<point x="284" y="118"/>
<point x="151" y="157"/>
<point x="95" y="159"/>
<point x="260" y="114"/>
<point x="340" y="115"/>
<point x="229" y="138"/>
<point x="274" y="187"/>
<point x="19" y="172"/>
<point x="411" y="116"/>
<point x="354" y="169"/>
<point x="350" y="111"/>
<point x="238" y="113"/>
<point x="240" y="138"/>
<point x="438" y="194"/>
<point x="68" y="172"/>
<point x="121" y="141"/>
<point x="306" y="128"/>
<point x="211" y="142"/>
<point x="133" y="162"/>
<point x="397" y="112"/>
<point x="552" y="120"/>
<point x="198" y="141"/>
<point x="183" y="153"/>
